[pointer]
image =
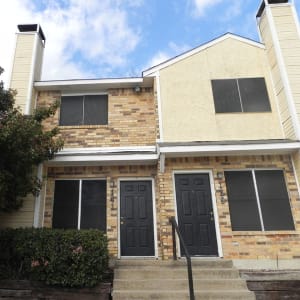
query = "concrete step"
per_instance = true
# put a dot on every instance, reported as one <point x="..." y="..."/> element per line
<point x="202" y="263"/>
<point x="178" y="273"/>
<point x="179" y="284"/>
<point x="183" y="295"/>
<point x="154" y="279"/>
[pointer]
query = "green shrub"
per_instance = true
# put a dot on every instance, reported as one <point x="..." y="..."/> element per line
<point x="74" y="258"/>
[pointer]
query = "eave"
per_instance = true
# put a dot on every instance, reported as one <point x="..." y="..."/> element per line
<point x="106" y="156"/>
<point x="79" y="85"/>
<point x="270" y="147"/>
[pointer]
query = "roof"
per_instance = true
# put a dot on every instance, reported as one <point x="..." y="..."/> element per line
<point x="229" y="148"/>
<point x="74" y="85"/>
<point x="200" y="48"/>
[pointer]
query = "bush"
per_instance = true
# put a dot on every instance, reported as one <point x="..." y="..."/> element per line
<point x="59" y="257"/>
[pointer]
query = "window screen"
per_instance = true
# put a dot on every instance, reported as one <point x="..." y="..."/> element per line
<point x="240" y="95"/>
<point x="242" y="201"/>
<point x="71" y="111"/>
<point x="274" y="200"/>
<point x="84" y="110"/>
<point x="268" y="209"/>
<point x="65" y="209"/>
<point x="91" y="199"/>
<point x="93" y="204"/>
<point x="226" y="96"/>
<point x="95" y="110"/>
<point x="254" y="94"/>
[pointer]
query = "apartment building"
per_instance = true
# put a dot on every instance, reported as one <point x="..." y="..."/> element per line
<point x="211" y="137"/>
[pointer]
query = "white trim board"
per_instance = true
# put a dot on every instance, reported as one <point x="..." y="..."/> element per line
<point x="214" y="204"/>
<point x="229" y="150"/>
<point x="105" y="156"/>
<point x="83" y="85"/>
<point x="87" y="160"/>
<point x="106" y="150"/>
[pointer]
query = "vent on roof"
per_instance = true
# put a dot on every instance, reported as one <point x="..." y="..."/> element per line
<point x="262" y="6"/>
<point x="32" y="28"/>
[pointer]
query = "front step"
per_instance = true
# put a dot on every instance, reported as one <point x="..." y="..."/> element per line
<point x="180" y="284"/>
<point x="183" y="295"/>
<point x="155" y="272"/>
<point x="155" y="279"/>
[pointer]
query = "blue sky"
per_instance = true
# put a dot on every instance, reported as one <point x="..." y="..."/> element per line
<point x="120" y="38"/>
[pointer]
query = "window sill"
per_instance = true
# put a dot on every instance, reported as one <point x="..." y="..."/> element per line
<point x="82" y="126"/>
<point x="243" y="112"/>
<point x="260" y="233"/>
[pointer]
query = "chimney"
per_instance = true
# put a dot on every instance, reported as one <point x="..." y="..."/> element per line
<point x="280" y="32"/>
<point x="27" y="64"/>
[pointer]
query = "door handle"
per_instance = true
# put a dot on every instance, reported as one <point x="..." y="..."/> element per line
<point x="211" y="215"/>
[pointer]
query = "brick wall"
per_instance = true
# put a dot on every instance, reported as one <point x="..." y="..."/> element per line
<point x="235" y="244"/>
<point x="111" y="174"/>
<point x="131" y="121"/>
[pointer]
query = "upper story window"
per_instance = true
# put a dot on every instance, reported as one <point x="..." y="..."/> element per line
<point x="240" y="95"/>
<point x="84" y="110"/>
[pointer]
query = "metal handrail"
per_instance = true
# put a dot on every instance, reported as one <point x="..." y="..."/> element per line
<point x="188" y="257"/>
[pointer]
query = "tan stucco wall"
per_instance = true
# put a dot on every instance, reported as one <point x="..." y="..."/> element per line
<point x="188" y="111"/>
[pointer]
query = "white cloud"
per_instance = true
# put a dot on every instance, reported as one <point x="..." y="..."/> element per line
<point x="234" y="10"/>
<point x="200" y="6"/>
<point x="83" y="37"/>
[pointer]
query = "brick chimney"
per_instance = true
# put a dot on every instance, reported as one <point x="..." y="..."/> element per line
<point x="27" y="64"/>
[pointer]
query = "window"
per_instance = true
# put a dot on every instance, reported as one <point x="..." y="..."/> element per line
<point x="240" y="95"/>
<point x="79" y="204"/>
<point x="258" y="200"/>
<point x="84" y="110"/>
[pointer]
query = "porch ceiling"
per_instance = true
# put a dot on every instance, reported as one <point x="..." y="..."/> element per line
<point x="144" y="155"/>
<point x="230" y="148"/>
<point x="92" y="85"/>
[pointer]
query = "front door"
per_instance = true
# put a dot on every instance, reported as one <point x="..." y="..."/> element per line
<point x="195" y="214"/>
<point x="136" y="218"/>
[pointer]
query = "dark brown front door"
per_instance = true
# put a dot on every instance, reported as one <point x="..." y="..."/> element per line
<point x="195" y="214"/>
<point x="136" y="218"/>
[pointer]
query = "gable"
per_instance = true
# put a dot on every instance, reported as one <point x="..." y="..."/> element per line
<point x="187" y="101"/>
<point x="204" y="47"/>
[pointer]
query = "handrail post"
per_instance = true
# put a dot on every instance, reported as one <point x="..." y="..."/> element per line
<point x="188" y="257"/>
<point x="190" y="277"/>
<point x="174" y="243"/>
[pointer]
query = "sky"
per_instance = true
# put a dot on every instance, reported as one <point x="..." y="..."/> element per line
<point x="120" y="38"/>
